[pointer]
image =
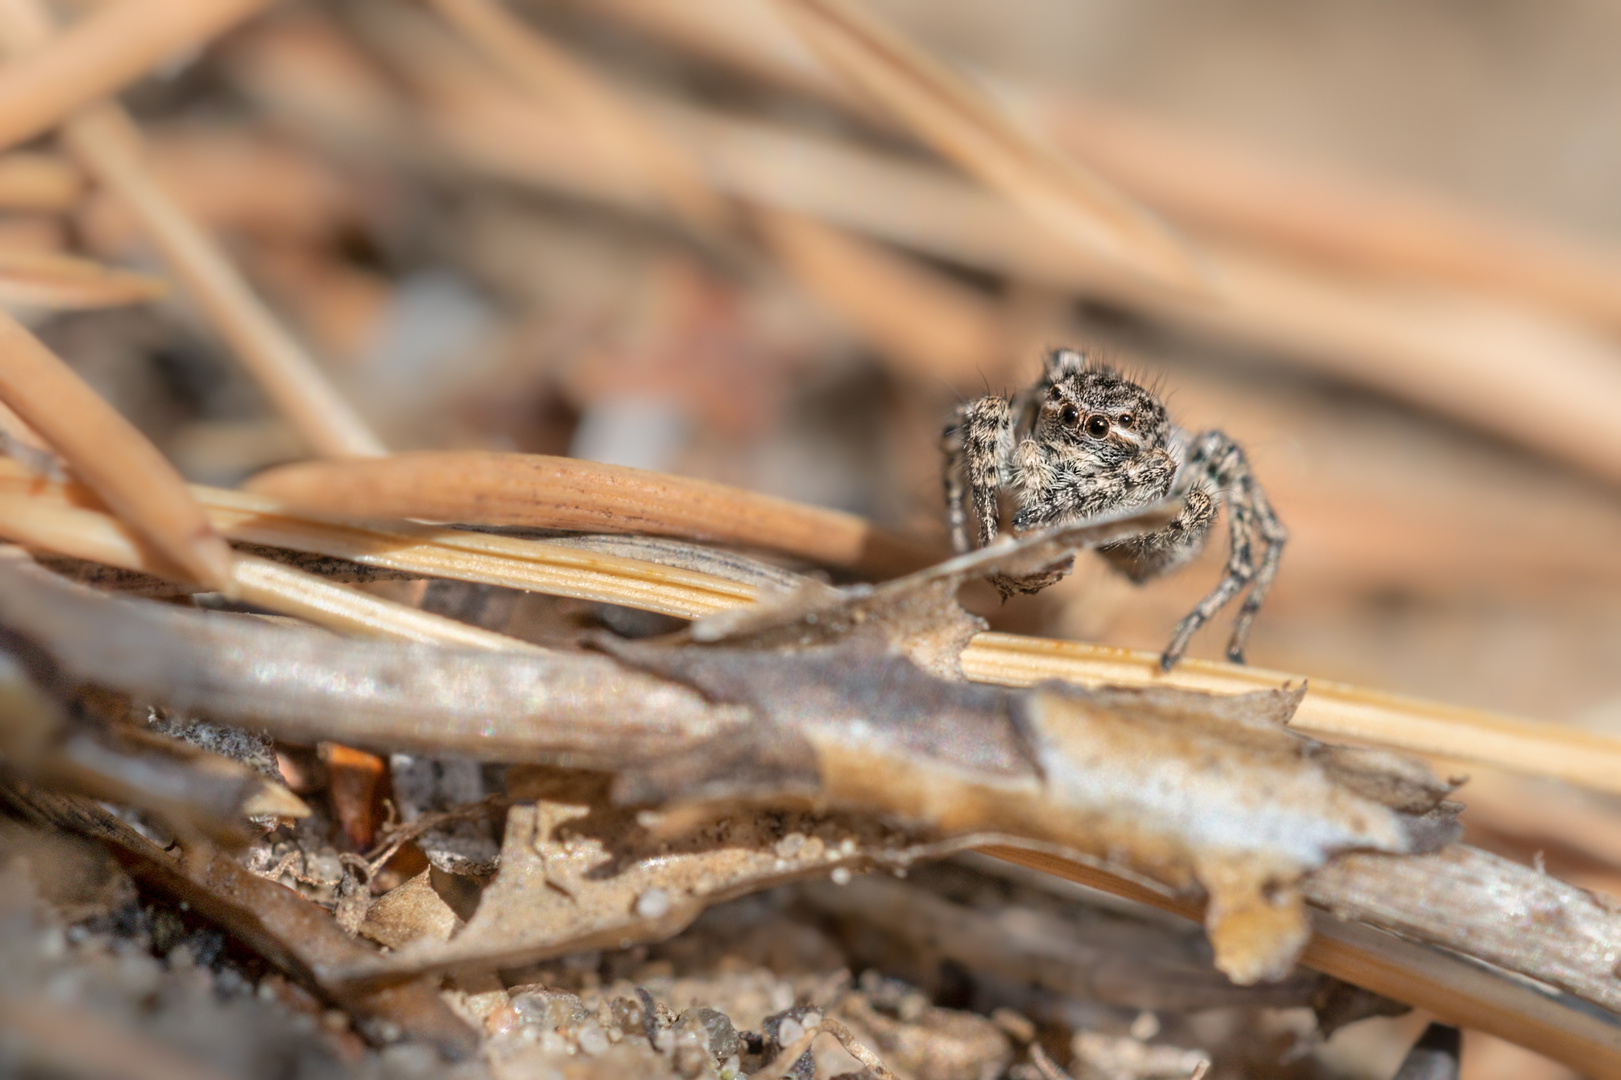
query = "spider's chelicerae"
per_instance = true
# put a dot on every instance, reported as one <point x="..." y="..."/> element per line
<point x="1084" y="442"/>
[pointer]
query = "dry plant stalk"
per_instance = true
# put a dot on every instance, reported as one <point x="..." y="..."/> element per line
<point x="97" y="537"/>
<point x="113" y="458"/>
<point x="39" y="182"/>
<point x="948" y="113"/>
<point x="1235" y="190"/>
<point x="47" y="280"/>
<point x="105" y="141"/>
<point x="485" y="488"/>
<point x="603" y="116"/>
<point x="425" y="484"/>
<point x="102" y="53"/>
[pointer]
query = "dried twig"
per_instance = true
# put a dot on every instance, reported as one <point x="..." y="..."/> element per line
<point x="62" y="282"/>
<point x="1207" y="180"/>
<point x="106" y="143"/>
<point x="38" y="181"/>
<point x="604" y="117"/>
<point x="566" y="493"/>
<point x="110" y="455"/>
<point x="950" y="114"/>
<point x="103" y="52"/>
<point x="86" y="534"/>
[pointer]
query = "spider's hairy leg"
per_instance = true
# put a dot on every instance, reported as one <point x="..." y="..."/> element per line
<point x="1275" y="535"/>
<point x="978" y="443"/>
<point x="1163" y="550"/>
<point x="1223" y="462"/>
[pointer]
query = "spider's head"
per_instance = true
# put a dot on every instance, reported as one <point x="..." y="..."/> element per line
<point x="1090" y="411"/>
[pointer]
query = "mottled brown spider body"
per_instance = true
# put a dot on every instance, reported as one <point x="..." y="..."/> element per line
<point x="1084" y="442"/>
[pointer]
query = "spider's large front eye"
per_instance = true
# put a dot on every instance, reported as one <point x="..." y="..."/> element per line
<point x="1070" y="415"/>
<point x="1097" y="426"/>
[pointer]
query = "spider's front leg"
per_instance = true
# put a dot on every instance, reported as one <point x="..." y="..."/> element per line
<point x="1249" y="515"/>
<point x="977" y="440"/>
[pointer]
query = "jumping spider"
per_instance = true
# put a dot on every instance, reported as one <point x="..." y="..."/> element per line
<point x="1084" y="442"/>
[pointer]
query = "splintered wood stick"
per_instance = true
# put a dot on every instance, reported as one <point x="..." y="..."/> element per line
<point x="1456" y="990"/>
<point x="107" y="144"/>
<point x="110" y="455"/>
<point x="100" y="54"/>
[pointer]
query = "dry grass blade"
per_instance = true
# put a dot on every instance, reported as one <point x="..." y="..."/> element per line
<point x="620" y="132"/>
<point x="86" y="534"/>
<point x="102" y="53"/>
<point x="40" y="182"/>
<point x="483" y="488"/>
<point x="106" y="451"/>
<point x="1333" y="710"/>
<point x="62" y="282"/>
<point x="430" y="551"/>
<point x="963" y="124"/>
<point x="107" y="144"/>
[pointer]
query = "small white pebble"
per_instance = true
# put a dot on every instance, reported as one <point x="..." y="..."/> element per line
<point x="847" y="846"/>
<point x="789" y="845"/>
<point x="782" y="996"/>
<point x="653" y="904"/>
<point x="811" y="1019"/>
<point x="593" y="1040"/>
<point x="841" y="875"/>
<point x="1145" y="1027"/>
<point x="789" y="1032"/>
<point x="730" y="1068"/>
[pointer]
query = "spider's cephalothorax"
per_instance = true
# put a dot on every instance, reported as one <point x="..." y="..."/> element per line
<point x="1085" y="442"/>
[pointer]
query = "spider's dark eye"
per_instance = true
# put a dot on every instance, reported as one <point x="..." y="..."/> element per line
<point x="1125" y="419"/>
<point x="1097" y="426"/>
<point x="1055" y="393"/>
<point x="1070" y="415"/>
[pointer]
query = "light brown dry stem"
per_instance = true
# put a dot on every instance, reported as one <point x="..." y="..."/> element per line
<point x="113" y="458"/>
<point x="603" y="116"/>
<point x="113" y="46"/>
<point x="1209" y="181"/>
<point x="86" y="534"/>
<point x="485" y="488"/>
<point x="104" y="140"/>
<point x="47" y="280"/>
<point x="953" y="116"/>
<point x="39" y="182"/>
